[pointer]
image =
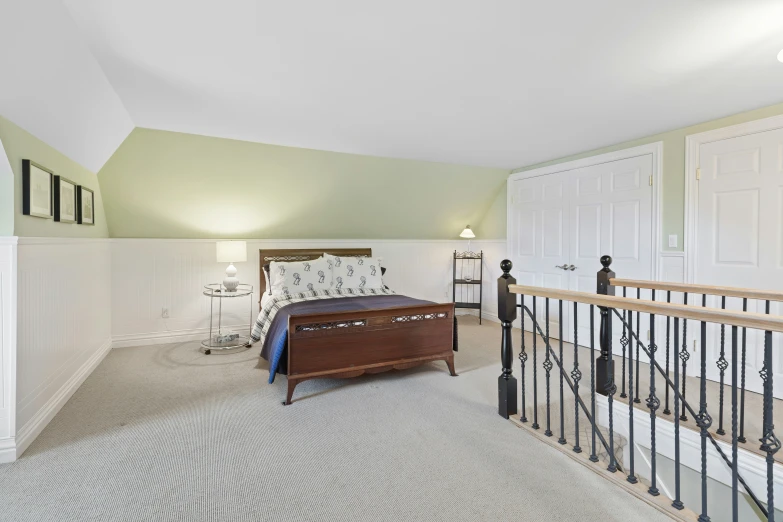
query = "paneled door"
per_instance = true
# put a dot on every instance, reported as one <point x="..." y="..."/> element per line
<point x="740" y="237"/>
<point x="561" y="224"/>
<point x="541" y="246"/>
<point x="611" y="213"/>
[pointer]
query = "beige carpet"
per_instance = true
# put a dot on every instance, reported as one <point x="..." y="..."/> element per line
<point x="167" y="433"/>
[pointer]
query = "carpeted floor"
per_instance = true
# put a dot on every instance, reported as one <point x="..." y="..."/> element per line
<point x="167" y="433"/>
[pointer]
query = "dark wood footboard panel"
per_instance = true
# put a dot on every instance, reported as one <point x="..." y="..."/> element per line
<point x="349" y="344"/>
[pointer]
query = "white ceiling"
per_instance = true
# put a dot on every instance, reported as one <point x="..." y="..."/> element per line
<point x="495" y="83"/>
<point x="52" y="86"/>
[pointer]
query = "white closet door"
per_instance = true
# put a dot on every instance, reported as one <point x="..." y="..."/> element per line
<point x="611" y="214"/>
<point x="740" y="237"/>
<point x="539" y="239"/>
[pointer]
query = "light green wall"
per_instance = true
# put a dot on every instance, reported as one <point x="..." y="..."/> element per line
<point x="493" y="224"/>
<point x="673" y="171"/>
<point x="6" y="195"/>
<point x="173" y="185"/>
<point x="20" y="144"/>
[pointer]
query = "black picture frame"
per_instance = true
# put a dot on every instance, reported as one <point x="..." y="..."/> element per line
<point x="32" y="195"/>
<point x="61" y="207"/>
<point x="84" y="195"/>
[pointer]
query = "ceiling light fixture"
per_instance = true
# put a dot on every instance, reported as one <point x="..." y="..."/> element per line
<point x="780" y="56"/>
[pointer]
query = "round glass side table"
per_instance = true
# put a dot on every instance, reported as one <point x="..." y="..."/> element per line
<point x="223" y="341"/>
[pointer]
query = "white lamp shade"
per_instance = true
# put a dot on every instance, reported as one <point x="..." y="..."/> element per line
<point x="467" y="233"/>
<point x="231" y="251"/>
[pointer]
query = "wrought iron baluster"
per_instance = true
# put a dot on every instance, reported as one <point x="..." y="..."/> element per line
<point x="611" y="388"/>
<point x="718" y="448"/>
<point x="734" y="428"/>
<point x="636" y="398"/>
<point x="547" y="369"/>
<point x="684" y="356"/>
<point x="535" y="425"/>
<point x="582" y="404"/>
<point x="722" y="365"/>
<point x="703" y="420"/>
<point x="677" y="503"/>
<point x="666" y="410"/>
<point x="741" y="437"/>
<point x="769" y="442"/>
<point x="562" y="439"/>
<point x="523" y="359"/>
<point x="653" y="403"/>
<point x="624" y="344"/>
<point x="631" y="475"/>
<point x="576" y="375"/>
<point x="593" y="456"/>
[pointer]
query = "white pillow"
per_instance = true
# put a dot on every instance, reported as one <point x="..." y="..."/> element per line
<point x="300" y="276"/>
<point x="355" y="272"/>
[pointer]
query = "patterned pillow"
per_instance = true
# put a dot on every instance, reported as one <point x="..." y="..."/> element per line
<point x="355" y="272"/>
<point x="300" y="276"/>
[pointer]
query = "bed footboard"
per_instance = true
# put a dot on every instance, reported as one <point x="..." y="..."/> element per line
<point x="349" y="344"/>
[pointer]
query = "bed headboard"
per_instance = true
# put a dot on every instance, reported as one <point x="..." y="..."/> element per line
<point x="302" y="254"/>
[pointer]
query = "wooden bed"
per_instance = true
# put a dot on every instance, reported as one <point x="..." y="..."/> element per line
<point x="376" y="340"/>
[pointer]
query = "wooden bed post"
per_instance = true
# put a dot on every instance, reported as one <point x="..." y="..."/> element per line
<point x="507" y="312"/>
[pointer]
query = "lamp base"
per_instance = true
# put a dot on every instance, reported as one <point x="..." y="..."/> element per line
<point x="230" y="283"/>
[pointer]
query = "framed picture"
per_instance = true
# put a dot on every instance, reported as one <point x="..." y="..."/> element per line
<point x="36" y="190"/>
<point x="64" y="200"/>
<point x="85" y="206"/>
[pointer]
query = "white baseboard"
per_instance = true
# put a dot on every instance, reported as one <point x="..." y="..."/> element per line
<point x="42" y="417"/>
<point x="7" y="450"/>
<point x="485" y="314"/>
<point x="174" y="336"/>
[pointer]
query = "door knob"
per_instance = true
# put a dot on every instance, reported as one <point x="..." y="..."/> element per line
<point x="572" y="268"/>
<point x="564" y="267"/>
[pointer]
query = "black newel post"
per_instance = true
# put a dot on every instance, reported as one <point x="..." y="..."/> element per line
<point x="604" y="364"/>
<point x="507" y="312"/>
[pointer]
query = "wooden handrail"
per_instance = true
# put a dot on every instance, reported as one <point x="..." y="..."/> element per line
<point x="728" y="291"/>
<point x="772" y="323"/>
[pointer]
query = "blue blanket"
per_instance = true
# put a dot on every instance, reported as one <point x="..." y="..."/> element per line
<point x="276" y="340"/>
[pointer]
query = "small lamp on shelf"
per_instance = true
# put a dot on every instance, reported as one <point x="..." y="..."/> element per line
<point x="467" y="234"/>
<point x="231" y="252"/>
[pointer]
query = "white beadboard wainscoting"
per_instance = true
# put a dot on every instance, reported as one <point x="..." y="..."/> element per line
<point x="8" y="247"/>
<point x="153" y="275"/>
<point x="63" y="324"/>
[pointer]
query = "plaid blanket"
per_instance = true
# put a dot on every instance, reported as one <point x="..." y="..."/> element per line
<point x="268" y="313"/>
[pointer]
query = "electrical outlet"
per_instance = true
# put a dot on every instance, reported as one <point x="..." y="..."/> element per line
<point x="673" y="241"/>
<point x="164" y="313"/>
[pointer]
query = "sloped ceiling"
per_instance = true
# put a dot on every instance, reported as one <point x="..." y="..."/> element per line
<point x="52" y="86"/>
<point x="492" y="83"/>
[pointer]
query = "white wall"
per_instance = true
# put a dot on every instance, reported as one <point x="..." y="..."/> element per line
<point x="63" y="324"/>
<point x="151" y="274"/>
<point x="7" y="348"/>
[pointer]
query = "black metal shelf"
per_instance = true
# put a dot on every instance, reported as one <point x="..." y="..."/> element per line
<point x="467" y="263"/>
<point x="476" y="306"/>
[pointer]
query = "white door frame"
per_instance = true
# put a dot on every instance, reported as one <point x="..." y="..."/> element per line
<point x="693" y="143"/>
<point x="656" y="149"/>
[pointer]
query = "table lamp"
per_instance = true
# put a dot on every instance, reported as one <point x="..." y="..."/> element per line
<point x="231" y="252"/>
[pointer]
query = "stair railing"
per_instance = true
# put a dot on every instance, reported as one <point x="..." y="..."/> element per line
<point x="603" y="380"/>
